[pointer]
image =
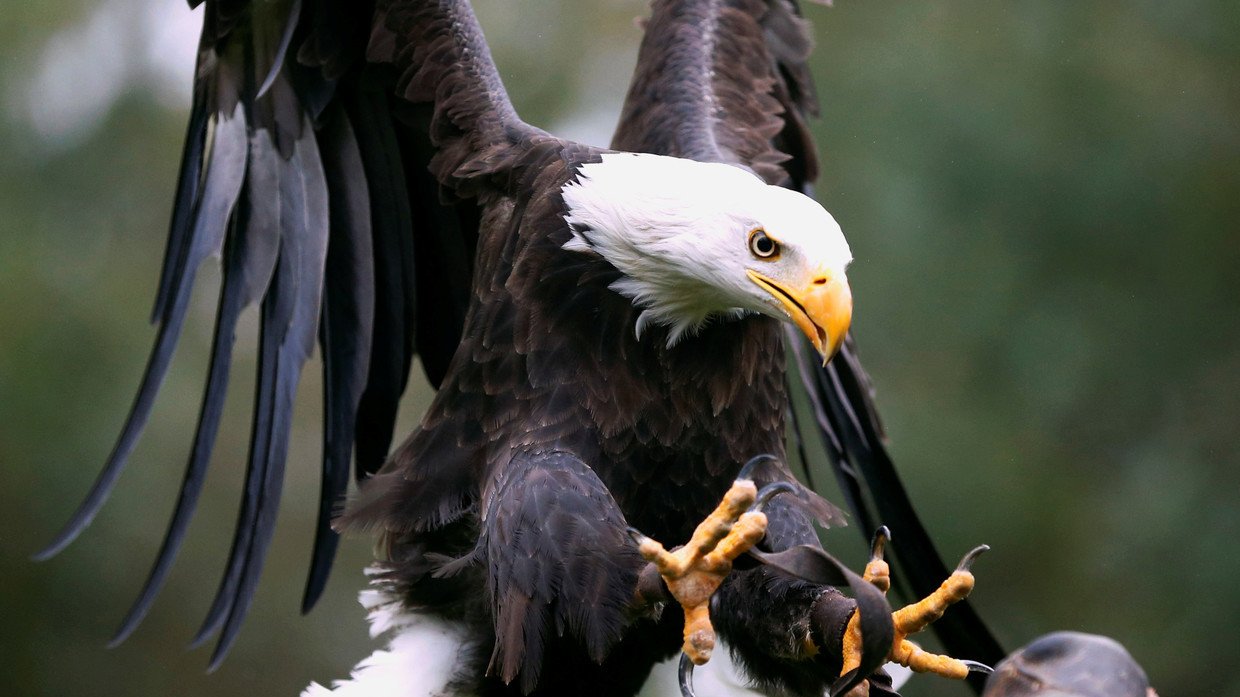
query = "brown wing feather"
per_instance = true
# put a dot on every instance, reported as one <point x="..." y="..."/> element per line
<point x="442" y="60"/>
<point x="723" y="81"/>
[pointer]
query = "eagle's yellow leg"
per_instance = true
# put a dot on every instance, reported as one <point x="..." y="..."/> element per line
<point x="693" y="572"/>
<point x="913" y="618"/>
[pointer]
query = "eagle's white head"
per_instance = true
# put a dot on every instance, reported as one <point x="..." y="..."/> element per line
<point x="694" y="240"/>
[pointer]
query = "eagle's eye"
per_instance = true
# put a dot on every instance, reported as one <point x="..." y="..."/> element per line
<point x="763" y="246"/>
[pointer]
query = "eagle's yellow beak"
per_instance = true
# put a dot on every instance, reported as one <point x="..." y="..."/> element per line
<point x="821" y="308"/>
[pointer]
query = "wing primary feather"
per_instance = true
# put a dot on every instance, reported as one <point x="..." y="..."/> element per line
<point x="270" y="483"/>
<point x="844" y="404"/>
<point x="391" y="228"/>
<point x="296" y="303"/>
<point x="345" y="330"/>
<point x="249" y="263"/>
<point x="264" y="409"/>
<point x="222" y="186"/>
<point x="852" y="445"/>
<point x="277" y="311"/>
<point x="272" y="206"/>
<point x="335" y="479"/>
<point x="195" y="472"/>
<point x="286" y="37"/>
<point x="183" y="206"/>
<point x="798" y="439"/>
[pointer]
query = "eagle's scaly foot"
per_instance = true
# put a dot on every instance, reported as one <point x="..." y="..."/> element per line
<point x="915" y="617"/>
<point x="693" y="572"/>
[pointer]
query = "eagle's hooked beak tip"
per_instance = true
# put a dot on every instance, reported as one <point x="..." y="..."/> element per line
<point x="820" y="308"/>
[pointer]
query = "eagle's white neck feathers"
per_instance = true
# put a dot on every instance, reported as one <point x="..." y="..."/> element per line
<point x="677" y="231"/>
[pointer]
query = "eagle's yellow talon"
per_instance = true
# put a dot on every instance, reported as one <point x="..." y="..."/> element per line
<point x="693" y="572"/>
<point x="912" y="618"/>
<point x="910" y="655"/>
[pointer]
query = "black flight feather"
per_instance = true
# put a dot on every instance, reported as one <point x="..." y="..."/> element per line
<point x="274" y="78"/>
<point x="845" y="475"/>
<point x="345" y="330"/>
<point x="276" y="62"/>
<point x="391" y="227"/>
<point x="221" y="187"/>
<point x="290" y="322"/>
<point x="250" y="257"/>
<point x="275" y="316"/>
<point x="188" y="181"/>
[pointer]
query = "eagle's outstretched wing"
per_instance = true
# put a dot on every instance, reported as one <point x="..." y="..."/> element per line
<point x="729" y="82"/>
<point x="321" y="134"/>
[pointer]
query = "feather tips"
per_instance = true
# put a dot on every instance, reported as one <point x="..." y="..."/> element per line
<point x="248" y="266"/>
<point x="222" y="185"/>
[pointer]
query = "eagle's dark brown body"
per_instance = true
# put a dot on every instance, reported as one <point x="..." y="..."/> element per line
<point x="554" y="429"/>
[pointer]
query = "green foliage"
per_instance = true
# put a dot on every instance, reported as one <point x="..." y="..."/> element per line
<point x="1042" y="199"/>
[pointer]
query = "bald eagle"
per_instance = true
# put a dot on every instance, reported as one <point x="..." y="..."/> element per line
<point x="605" y="329"/>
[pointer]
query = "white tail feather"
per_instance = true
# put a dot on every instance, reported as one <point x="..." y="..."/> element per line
<point x="421" y="660"/>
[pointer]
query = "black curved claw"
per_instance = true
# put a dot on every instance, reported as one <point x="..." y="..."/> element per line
<point x="635" y="535"/>
<point x="975" y="667"/>
<point x="881" y="537"/>
<point x="747" y="470"/>
<point x="972" y="556"/>
<point x="686" y="676"/>
<point x="770" y="491"/>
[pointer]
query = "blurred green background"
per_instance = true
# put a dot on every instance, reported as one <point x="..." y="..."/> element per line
<point x="1043" y="201"/>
